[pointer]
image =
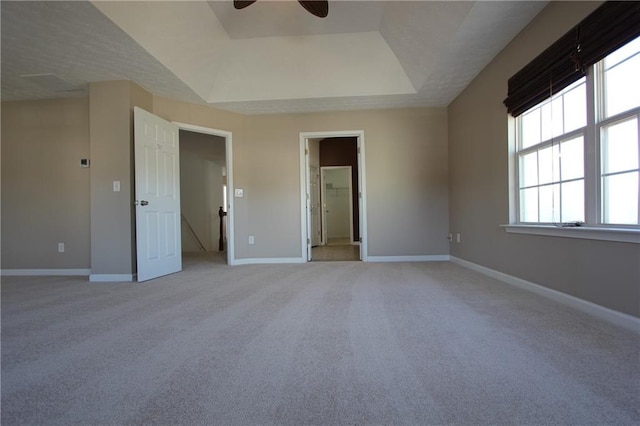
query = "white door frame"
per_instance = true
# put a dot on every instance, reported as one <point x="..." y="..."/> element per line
<point x="305" y="213"/>
<point x="228" y="137"/>
<point x="323" y="193"/>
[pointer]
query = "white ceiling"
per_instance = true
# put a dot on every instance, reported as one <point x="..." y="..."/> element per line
<point x="268" y="58"/>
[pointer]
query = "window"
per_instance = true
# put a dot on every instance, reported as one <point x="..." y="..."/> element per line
<point x="577" y="153"/>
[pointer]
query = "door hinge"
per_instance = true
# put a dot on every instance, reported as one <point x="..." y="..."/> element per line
<point x="360" y="239"/>
<point x="308" y="241"/>
<point x="306" y="151"/>
<point x="358" y="150"/>
<point x="360" y="194"/>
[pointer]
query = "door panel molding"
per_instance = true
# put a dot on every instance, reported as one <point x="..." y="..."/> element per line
<point x="157" y="194"/>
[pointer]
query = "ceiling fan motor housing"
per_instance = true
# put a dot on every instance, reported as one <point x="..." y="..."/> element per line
<point x="319" y="8"/>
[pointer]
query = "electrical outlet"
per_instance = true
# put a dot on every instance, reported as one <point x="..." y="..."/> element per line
<point x="458" y="237"/>
<point x="60" y="247"/>
<point x="252" y="239"/>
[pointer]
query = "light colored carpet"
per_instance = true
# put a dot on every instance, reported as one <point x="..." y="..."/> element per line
<point x="319" y="343"/>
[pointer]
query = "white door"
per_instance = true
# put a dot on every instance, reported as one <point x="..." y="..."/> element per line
<point x="315" y="206"/>
<point x="307" y="201"/>
<point x="157" y="178"/>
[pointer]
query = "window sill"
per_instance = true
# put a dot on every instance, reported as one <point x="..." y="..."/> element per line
<point x="624" y="235"/>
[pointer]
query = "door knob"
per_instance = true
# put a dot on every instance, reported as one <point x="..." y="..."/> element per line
<point x="142" y="203"/>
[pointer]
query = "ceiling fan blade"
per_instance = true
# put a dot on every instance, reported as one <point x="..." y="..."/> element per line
<point x="241" y="4"/>
<point x="319" y="8"/>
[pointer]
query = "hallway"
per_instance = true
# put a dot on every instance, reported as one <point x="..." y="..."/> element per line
<point x="336" y="250"/>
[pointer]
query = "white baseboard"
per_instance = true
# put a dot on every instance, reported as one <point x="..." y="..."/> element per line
<point x="619" y="318"/>
<point x="110" y="278"/>
<point x="267" y="260"/>
<point x="44" y="272"/>
<point x="421" y="258"/>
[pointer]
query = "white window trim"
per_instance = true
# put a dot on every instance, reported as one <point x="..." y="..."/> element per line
<point x="623" y="235"/>
<point x="516" y="152"/>
<point x="592" y="229"/>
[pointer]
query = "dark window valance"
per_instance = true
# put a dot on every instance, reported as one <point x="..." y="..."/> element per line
<point x="608" y="28"/>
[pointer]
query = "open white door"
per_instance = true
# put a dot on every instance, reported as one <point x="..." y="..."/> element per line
<point x="157" y="177"/>
<point x="315" y="207"/>
<point x="307" y="202"/>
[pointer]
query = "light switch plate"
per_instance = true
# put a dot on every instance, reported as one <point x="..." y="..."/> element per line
<point x="116" y="186"/>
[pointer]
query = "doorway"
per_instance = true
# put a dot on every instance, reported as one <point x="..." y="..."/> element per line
<point x="158" y="233"/>
<point x="337" y="205"/>
<point x="205" y="182"/>
<point x="337" y="216"/>
<point x="202" y="185"/>
<point x="340" y="212"/>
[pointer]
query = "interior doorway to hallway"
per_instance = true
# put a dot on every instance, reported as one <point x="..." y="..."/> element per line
<point x="205" y="184"/>
<point x="333" y="196"/>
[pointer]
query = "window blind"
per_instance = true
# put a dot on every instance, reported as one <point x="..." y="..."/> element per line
<point x="606" y="29"/>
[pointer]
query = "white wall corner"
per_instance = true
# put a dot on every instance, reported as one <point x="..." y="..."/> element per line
<point x="621" y="319"/>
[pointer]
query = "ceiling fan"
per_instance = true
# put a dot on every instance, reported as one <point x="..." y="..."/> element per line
<point x="319" y="8"/>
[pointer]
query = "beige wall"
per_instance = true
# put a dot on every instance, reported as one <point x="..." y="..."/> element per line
<point x="605" y="273"/>
<point x="406" y="176"/>
<point x="45" y="192"/>
<point x="112" y="213"/>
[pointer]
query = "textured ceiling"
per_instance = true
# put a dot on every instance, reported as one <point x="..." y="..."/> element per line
<point x="77" y="43"/>
<point x="271" y="57"/>
<point x="288" y="18"/>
